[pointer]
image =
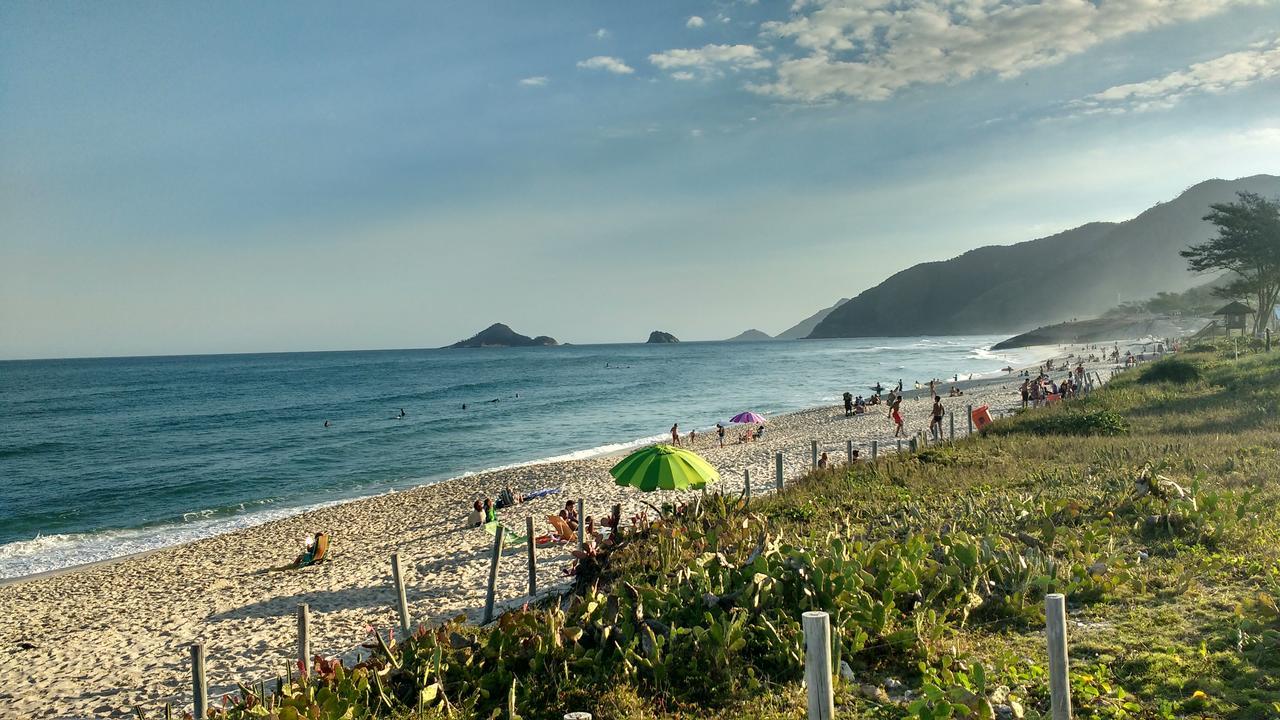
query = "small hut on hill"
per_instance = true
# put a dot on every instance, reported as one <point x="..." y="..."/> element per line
<point x="1235" y="316"/>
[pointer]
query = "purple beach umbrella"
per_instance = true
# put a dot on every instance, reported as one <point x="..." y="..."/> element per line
<point x="747" y="418"/>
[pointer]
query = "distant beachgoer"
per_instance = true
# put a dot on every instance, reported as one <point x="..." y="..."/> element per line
<point x="720" y="433"/>
<point x="693" y="435"/>
<point x="570" y="515"/>
<point x="506" y="498"/>
<point x="326" y="423"/>
<point x="822" y="461"/>
<point x="759" y="433"/>
<point x="675" y="434"/>
<point x="464" y="406"/>
<point x="856" y="455"/>
<point x="401" y="412"/>
<point x="935" y="425"/>
<point x="848" y="404"/>
<point x="1026" y="393"/>
<point x="476" y="518"/>
<point x="489" y="513"/>
<point x="897" y="421"/>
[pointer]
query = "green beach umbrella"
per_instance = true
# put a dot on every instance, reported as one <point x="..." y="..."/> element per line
<point x="662" y="467"/>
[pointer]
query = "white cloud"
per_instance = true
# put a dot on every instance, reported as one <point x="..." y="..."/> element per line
<point x="870" y="49"/>
<point x="695" y="133"/>
<point x="694" y="22"/>
<point x="709" y="60"/>
<point x="535" y="81"/>
<point x="602" y="34"/>
<point x="606" y="63"/>
<point x="1218" y="75"/>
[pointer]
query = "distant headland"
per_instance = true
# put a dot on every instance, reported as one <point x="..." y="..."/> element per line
<point x="500" y="335"/>
<point x="657" y="336"/>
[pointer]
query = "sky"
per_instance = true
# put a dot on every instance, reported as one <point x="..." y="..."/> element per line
<point x="182" y="177"/>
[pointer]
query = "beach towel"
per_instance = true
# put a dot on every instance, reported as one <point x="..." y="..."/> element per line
<point x="541" y="493"/>
<point x="509" y="537"/>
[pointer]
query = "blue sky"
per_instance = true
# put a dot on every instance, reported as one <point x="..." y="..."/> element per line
<point x="238" y="177"/>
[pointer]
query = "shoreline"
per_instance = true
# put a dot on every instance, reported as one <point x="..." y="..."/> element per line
<point x="111" y="635"/>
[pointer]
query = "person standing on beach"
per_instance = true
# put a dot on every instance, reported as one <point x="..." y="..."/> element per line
<point x="935" y="425"/>
<point x="675" y="434"/>
<point x="848" y="404"/>
<point x="896" y="413"/>
<point x="720" y="433"/>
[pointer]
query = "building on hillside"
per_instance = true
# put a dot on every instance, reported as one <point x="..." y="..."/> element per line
<point x="1235" y="317"/>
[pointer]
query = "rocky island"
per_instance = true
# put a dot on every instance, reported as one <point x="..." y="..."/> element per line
<point x="657" y="336"/>
<point x="500" y="335"/>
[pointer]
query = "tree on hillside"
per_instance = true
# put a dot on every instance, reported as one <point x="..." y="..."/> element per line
<point x="1248" y="245"/>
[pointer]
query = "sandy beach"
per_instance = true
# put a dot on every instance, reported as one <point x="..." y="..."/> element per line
<point x="100" y="640"/>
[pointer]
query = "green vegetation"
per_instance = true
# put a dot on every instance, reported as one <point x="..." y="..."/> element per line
<point x="1150" y="504"/>
<point x="1171" y="370"/>
<point x="1202" y="300"/>
<point x="1248" y="246"/>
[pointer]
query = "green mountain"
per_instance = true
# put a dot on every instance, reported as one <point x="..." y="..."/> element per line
<point x="499" y="335"/>
<point x="1078" y="273"/>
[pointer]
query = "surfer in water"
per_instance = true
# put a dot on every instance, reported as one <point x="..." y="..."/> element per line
<point x="326" y="423"/>
<point x="402" y="413"/>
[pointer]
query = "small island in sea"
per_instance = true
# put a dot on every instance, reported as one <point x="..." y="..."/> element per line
<point x="752" y="335"/>
<point x="500" y="335"/>
<point x="657" y="336"/>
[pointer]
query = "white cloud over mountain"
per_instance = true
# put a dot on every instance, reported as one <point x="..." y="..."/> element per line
<point x="710" y="59"/>
<point x="1218" y="75"/>
<point x="607" y="63"/>
<point x="870" y="49"/>
<point x="694" y="22"/>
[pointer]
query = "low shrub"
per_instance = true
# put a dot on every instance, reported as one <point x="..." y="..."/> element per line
<point x="1173" y="370"/>
<point x="1095" y="422"/>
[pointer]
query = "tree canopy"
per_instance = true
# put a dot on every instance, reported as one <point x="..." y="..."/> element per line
<point x="1248" y="245"/>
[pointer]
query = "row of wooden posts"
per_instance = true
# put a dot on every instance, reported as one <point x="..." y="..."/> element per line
<point x="819" y="689"/>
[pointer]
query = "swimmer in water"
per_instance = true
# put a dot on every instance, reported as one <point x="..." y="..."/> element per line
<point x="464" y="406"/>
<point x="401" y="412"/>
<point x="326" y="423"/>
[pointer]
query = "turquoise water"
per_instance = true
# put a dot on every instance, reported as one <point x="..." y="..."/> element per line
<point x="104" y="457"/>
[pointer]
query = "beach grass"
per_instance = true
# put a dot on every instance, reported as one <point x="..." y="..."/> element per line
<point x="1150" y="504"/>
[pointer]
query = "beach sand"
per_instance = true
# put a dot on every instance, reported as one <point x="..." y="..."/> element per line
<point x="100" y="640"/>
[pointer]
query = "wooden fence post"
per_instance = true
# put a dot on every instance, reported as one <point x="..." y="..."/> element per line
<point x="899" y="445"/>
<point x="817" y="665"/>
<point x="915" y="444"/>
<point x="493" y="574"/>
<point x="848" y="448"/>
<point x="813" y="449"/>
<point x="746" y="483"/>
<point x="401" y="603"/>
<point x="199" y="685"/>
<point x="582" y="526"/>
<point x="1055" y="611"/>
<point x="875" y="450"/>
<point x="533" y="559"/>
<point x="777" y="466"/>
<point x="304" y="636"/>
<point x="952" y="416"/>
<point x="969" y="416"/>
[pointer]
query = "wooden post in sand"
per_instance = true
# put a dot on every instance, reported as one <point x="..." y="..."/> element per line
<point x="304" y="636"/>
<point x="493" y="574"/>
<point x="875" y="450"/>
<point x="1055" y="611"/>
<point x="199" y="686"/>
<point x="582" y="527"/>
<point x="848" y="448"/>
<point x="899" y="445"/>
<point x="915" y="443"/>
<point x="746" y="483"/>
<point x="533" y="559"/>
<point x="817" y="665"/>
<point x="813" y="450"/>
<point x="777" y="466"/>
<point x="969" y="415"/>
<point x="402" y="605"/>
<point x="953" y="425"/>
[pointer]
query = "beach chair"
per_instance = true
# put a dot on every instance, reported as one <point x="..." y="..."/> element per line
<point x="561" y="528"/>
<point x="318" y="554"/>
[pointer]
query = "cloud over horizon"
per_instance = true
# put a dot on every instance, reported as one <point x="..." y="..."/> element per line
<point x="607" y="63"/>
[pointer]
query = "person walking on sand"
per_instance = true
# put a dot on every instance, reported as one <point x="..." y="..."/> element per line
<point x="935" y="425"/>
<point x="720" y="433"/>
<point x="896" y="414"/>
<point x="675" y="434"/>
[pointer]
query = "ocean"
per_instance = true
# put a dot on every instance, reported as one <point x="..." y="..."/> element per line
<point x="105" y="457"/>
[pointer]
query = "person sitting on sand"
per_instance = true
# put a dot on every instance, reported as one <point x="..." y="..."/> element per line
<point x="822" y="461"/>
<point x="506" y="498"/>
<point x="856" y="454"/>
<point x="490" y="515"/>
<point x="759" y="433"/>
<point x="315" y="545"/>
<point x="570" y="515"/>
<point x="476" y="517"/>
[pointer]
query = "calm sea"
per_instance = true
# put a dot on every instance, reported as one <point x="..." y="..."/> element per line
<point x="100" y="458"/>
